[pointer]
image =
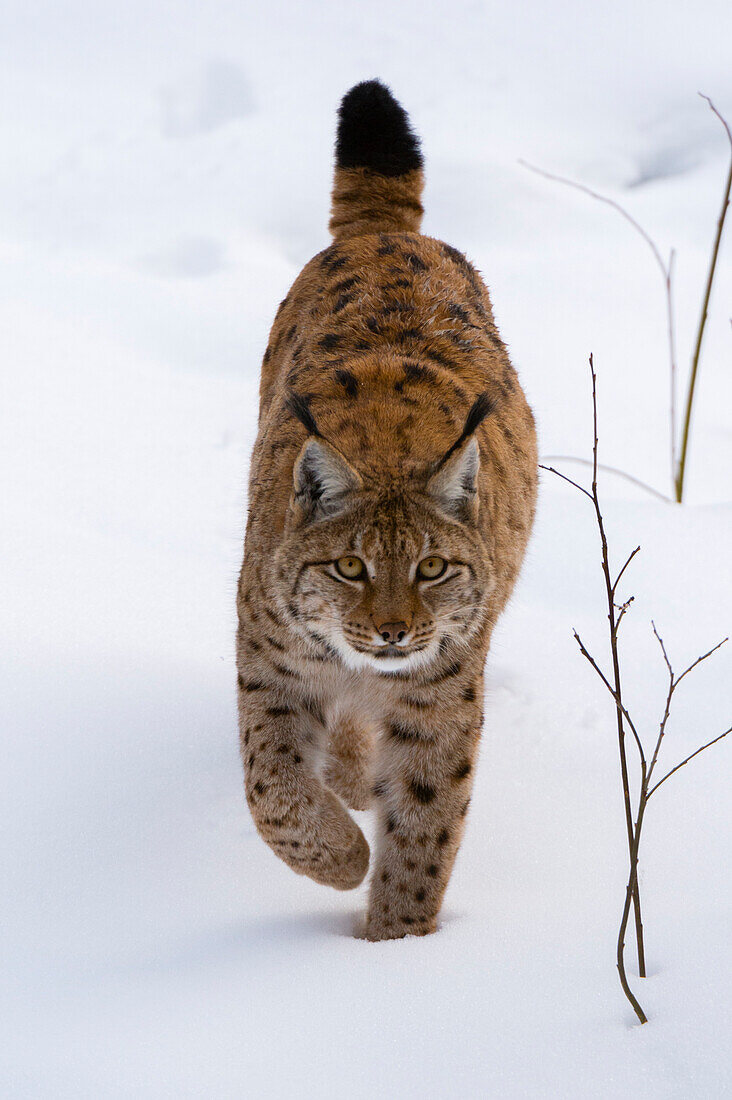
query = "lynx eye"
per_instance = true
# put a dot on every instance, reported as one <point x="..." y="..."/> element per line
<point x="431" y="568"/>
<point x="350" y="567"/>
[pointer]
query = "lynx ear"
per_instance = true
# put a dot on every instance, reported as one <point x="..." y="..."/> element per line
<point x="454" y="481"/>
<point x="454" y="486"/>
<point x="323" y="480"/>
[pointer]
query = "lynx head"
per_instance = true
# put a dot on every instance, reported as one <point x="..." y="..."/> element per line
<point x="384" y="574"/>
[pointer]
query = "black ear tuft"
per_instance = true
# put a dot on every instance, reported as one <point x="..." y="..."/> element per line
<point x="374" y="132"/>
<point x="300" y="409"/>
<point x="479" y="410"/>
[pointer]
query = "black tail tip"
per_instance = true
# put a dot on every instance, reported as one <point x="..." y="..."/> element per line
<point x="374" y="132"/>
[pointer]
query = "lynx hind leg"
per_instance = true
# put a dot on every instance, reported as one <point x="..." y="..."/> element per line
<point x="347" y="769"/>
<point x="423" y="790"/>
<point x="303" y="823"/>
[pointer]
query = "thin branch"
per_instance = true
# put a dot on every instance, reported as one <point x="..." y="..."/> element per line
<point x="663" y="650"/>
<point x="671" y="336"/>
<point x="699" y="660"/>
<point x="679" y="484"/>
<point x="627" y="563"/>
<point x="616" y="613"/>
<point x="632" y="894"/>
<point x="673" y="683"/>
<point x="565" y="478"/>
<point x="620" y="710"/>
<point x="666" y="711"/>
<point x="686" y="761"/>
<point x="622" y="610"/>
<point x="720" y="117"/>
<point x="667" y="274"/>
<point x="677" y="680"/>
<point x="618" y="701"/>
<point x="595" y="451"/>
<point x="611" y="470"/>
<point x="609" y="202"/>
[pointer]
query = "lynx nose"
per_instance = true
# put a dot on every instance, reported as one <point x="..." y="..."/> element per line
<point x="393" y="632"/>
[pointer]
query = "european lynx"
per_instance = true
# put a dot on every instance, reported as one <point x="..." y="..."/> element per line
<point x="392" y="493"/>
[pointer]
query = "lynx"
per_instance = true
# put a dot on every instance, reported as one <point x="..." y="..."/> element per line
<point x="392" y="494"/>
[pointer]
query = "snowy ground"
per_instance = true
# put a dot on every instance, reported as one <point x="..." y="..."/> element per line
<point x="165" y="173"/>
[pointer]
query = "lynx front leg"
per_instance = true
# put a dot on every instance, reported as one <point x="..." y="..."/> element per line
<point x="303" y="823"/>
<point x="426" y="769"/>
<point x="347" y="771"/>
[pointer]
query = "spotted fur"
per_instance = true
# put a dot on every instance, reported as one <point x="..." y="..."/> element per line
<point x="392" y="426"/>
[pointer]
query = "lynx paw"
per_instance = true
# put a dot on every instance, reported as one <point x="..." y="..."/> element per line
<point x="326" y="845"/>
<point x="344" y="870"/>
<point x="385" y="927"/>
<point x="348" y="783"/>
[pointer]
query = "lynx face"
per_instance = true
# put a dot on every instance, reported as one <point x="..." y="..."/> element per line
<point x="386" y="578"/>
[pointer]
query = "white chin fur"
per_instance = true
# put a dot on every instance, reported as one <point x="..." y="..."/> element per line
<point x="355" y="660"/>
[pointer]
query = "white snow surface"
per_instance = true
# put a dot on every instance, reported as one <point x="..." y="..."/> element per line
<point x="165" y="174"/>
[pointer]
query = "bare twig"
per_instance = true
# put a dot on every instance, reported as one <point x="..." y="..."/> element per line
<point x="622" y="610"/>
<point x="632" y="897"/>
<point x="673" y="683"/>
<point x="564" y="477"/>
<point x="671" y="337"/>
<point x="663" y="651"/>
<point x="703" y="657"/>
<point x="610" y="470"/>
<point x="667" y="274"/>
<point x="667" y="707"/>
<point x="618" y="702"/>
<point x="616" y="613"/>
<point x="620" y="711"/>
<point x="667" y="270"/>
<point x="681" y="469"/>
<point x="686" y="761"/>
<point x="608" y="202"/>
<point x="628" y="560"/>
<point x="631" y="891"/>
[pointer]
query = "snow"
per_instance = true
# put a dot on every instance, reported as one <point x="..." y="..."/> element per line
<point x="166" y="174"/>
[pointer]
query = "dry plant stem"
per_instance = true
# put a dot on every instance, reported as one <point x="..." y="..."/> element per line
<point x="667" y="274"/>
<point x="614" y="687"/>
<point x="618" y="703"/>
<point x="631" y="891"/>
<point x="632" y="896"/>
<point x="616" y="612"/>
<point x="646" y="790"/>
<point x="609" y="470"/>
<point x="621" y="712"/>
<point x="671" y="337"/>
<point x="673" y="682"/>
<point x="688" y="758"/>
<point x="681" y="471"/>
<point x="678" y="468"/>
